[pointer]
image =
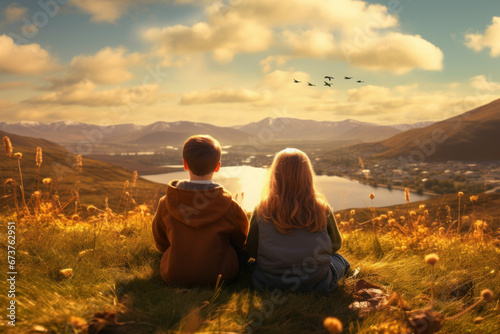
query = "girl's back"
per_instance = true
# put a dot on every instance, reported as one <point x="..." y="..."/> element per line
<point x="293" y="233"/>
<point x="294" y="261"/>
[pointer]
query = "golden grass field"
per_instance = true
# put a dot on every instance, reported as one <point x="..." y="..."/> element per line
<point x="88" y="265"/>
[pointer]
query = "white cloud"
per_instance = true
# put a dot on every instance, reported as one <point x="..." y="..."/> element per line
<point x="397" y="53"/>
<point x="311" y="43"/>
<point x="224" y="36"/>
<point x="342" y="15"/>
<point x="394" y="52"/>
<point x="85" y="93"/>
<point x="24" y="59"/>
<point x="407" y="103"/>
<point x="241" y="95"/>
<point x="489" y="39"/>
<point x="108" y="66"/>
<point x="103" y="10"/>
<point x="481" y="83"/>
<point x="14" y="12"/>
<point x="279" y="80"/>
<point x="267" y="63"/>
<point x="338" y="30"/>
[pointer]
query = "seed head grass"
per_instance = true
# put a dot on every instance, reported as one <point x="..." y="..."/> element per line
<point x="78" y="260"/>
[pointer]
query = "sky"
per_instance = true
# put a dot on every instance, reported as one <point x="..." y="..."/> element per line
<point x="234" y="62"/>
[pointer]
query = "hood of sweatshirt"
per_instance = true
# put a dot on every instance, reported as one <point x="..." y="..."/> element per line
<point x="197" y="208"/>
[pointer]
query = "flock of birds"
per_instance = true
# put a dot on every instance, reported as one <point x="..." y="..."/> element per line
<point x="329" y="83"/>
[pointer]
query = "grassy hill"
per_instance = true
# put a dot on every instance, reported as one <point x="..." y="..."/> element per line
<point x="486" y="207"/>
<point x="100" y="273"/>
<point x="470" y="136"/>
<point x="114" y="285"/>
<point x="97" y="179"/>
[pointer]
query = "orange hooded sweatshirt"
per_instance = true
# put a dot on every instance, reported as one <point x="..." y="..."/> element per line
<point x="199" y="233"/>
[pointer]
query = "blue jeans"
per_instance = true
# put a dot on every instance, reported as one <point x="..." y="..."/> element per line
<point x="340" y="266"/>
<point x="337" y="269"/>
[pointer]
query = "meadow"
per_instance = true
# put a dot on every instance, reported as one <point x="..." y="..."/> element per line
<point x="92" y="267"/>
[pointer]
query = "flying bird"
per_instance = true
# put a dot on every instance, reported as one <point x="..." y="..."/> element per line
<point x="296" y="81"/>
<point x="328" y="84"/>
<point x="347" y="78"/>
<point x="360" y="81"/>
<point x="310" y="84"/>
<point x="329" y="77"/>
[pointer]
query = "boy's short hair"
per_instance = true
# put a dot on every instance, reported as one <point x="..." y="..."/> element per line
<point x="202" y="154"/>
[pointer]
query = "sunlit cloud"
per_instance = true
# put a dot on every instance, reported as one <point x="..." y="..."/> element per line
<point x="14" y="12"/>
<point x="85" y="93"/>
<point x="312" y="43"/>
<point x="241" y="95"/>
<point x="108" y="66"/>
<point x="489" y="39"/>
<point x="344" y="15"/>
<point x="224" y="37"/>
<point x="481" y="83"/>
<point x="268" y="63"/>
<point x="342" y="30"/>
<point x="109" y="11"/>
<point x="103" y="10"/>
<point x="29" y="59"/>
<point x="279" y="80"/>
<point x="394" y="52"/>
<point x="397" y="53"/>
<point x="406" y="103"/>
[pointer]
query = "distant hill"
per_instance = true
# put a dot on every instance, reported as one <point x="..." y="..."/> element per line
<point x="406" y="127"/>
<point x="65" y="132"/>
<point x="474" y="135"/>
<point x="97" y="181"/>
<point x="292" y="129"/>
<point x="174" y="133"/>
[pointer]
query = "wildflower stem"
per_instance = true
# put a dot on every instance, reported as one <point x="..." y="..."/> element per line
<point x="432" y="286"/>
<point x="459" y="314"/>
<point x="22" y="186"/>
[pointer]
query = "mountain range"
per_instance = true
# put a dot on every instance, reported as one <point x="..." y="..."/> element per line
<point x="174" y="133"/>
<point x="471" y="136"/>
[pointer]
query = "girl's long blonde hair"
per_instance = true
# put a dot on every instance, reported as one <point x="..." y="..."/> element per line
<point x="289" y="199"/>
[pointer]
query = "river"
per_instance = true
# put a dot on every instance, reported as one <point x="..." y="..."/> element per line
<point x="341" y="193"/>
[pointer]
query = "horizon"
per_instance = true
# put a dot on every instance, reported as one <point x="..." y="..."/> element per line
<point x="162" y="61"/>
<point x="186" y="120"/>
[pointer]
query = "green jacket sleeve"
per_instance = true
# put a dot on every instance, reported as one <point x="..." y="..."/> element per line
<point x="253" y="237"/>
<point x="333" y="231"/>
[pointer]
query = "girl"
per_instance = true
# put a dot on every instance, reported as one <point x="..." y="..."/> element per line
<point x="293" y="234"/>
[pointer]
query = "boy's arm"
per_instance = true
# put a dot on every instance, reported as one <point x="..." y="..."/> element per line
<point x="159" y="228"/>
<point x="239" y="235"/>
<point x="253" y="237"/>
<point x="333" y="231"/>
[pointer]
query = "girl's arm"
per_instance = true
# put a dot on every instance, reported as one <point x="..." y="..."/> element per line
<point x="253" y="236"/>
<point x="333" y="231"/>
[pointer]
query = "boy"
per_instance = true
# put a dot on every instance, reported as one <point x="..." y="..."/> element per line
<point x="198" y="226"/>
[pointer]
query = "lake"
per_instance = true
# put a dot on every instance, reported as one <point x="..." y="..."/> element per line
<point x="341" y="193"/>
